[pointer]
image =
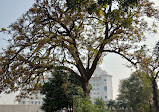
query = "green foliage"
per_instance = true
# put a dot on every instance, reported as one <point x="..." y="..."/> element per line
<point x="59" y="90"/>
<point x="122" y="105"/>
<point x="148" y="61"/>
<point x="95" y="5"/>
<point x="135" y="92"/>
<point x="100" y="105"/>
<point x="85" y="105"/>
<point x="111" y="104"/>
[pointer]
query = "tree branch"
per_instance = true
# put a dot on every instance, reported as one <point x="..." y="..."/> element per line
<point x="156" y="76"/>
<point x="130" y="60"/>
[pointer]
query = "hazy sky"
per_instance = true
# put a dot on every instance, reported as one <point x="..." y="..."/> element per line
<point x="10" y="10"/>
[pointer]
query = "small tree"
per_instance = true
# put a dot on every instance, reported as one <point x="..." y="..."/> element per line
<point x="111" y="104"/>
<point x="122" y="105"/>
<point x="134" y="93"/>
<point x="148" y="61"/>
<point x="59" y="91"/>
<point x="99" y="103"/>
<point x="83" y="104"/>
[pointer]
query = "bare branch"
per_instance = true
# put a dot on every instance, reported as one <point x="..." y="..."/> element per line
<point x="128" y="59"/>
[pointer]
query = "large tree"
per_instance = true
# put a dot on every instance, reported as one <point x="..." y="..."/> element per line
<point x="72" y="33"/>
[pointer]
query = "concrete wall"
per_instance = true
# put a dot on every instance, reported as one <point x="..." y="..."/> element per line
<point x="20" y="108"/>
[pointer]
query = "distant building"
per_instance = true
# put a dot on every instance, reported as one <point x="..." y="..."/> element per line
<point x="33" y="101"/>
<point x="36" y="99"/>
<point x="101" y="84"/>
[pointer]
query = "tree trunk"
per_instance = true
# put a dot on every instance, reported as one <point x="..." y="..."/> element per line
<point x="150" y="106"/>
<point x="155" y="94"/>
<point x="86" y="88"/>
<point x="72" y="103"/>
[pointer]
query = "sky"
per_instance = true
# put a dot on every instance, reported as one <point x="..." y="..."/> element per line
<point x="11" y="10"/>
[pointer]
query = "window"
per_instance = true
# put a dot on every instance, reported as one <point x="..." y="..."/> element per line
<point x="23" y="102"/>
<point x="105" y="88"/>
<point x="105" y="96"/>
<point x="105" y="80"/>
<point x="32" y="102"/>
<point x="35" y="102"/>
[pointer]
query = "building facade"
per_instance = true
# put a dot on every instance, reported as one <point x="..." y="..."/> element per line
<point x="33" y="101"/>
<point x="101" y="84"/>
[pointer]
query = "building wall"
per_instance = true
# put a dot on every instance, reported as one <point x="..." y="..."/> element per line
<point x="36" y="100"/>
<point x="101" y="85"/>
<point x="109" y="88"/>
<point x="20" y="108"/>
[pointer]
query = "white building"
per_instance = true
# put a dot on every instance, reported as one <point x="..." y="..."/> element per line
<point x="34" y="101"/>
<point x="101" y="88"/>
<point x="101" y="85"/>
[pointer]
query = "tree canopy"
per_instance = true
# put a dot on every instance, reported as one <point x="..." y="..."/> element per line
<point x="136" y="92"/>
<point x="148" y="61"/>
<point x="53" y="33"/>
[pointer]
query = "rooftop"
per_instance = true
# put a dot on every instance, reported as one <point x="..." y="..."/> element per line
<point x="98" y="72"/>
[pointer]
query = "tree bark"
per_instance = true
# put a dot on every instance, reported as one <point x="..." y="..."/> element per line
<point x="86" y="88"/>
<point x="150" y="106"/>
<point x="155" y="94"/>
